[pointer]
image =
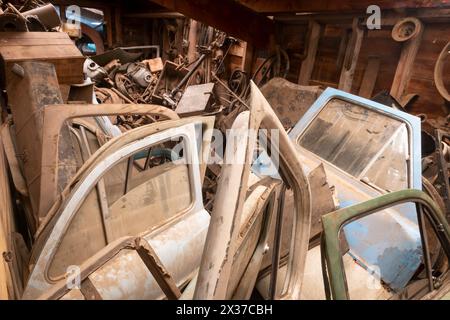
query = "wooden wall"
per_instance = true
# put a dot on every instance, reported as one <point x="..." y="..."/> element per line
<point x="326" y="71"/>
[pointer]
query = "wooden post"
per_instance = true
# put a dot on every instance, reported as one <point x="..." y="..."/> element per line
<point x="307" y="66"/>
<point x="351" y="57"/>
<point x="407" y="57"/>
<point x="108" y="22"/>
<point x="247" y="59"/>
<point x="118" y="24"/>
<point x="370" y="77"/>
<point x="192" y="51"/>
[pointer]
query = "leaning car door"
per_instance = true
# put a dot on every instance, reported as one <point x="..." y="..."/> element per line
<point x="430" y="283"/>
<point x="367" y="149"/>
<point x="220" y="261"/>
<point x="98" y="244"/>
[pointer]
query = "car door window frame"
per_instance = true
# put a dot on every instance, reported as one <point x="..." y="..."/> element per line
<point x="215" y="266"/>
<point x="333" y="223"/>
<point x="412" y="125"/>
<point x="185" y="129"/>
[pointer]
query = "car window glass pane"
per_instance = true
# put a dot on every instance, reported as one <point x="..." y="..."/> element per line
<point x="390" y="169"/>
<point x="384" y="252"/>
<point x="136" y="195"/>
<point x="348" y="135"/>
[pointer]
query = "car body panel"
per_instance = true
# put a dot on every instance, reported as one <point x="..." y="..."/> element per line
<point x="335" y="221"/>
<point x="171" y="241"/>
<point x="397" y="269"/>
<point x="214" y="275"/>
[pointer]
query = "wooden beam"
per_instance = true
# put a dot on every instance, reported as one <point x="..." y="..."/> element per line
<point x="351" y="57"/>
<point x="370" y="77"/>
<point x="280" y="6"/>
<point x="154" y="15"/>
<point x="118" y="25"/>
<point x="406" y="62"/>
<point x="83" y="3"/>
<point x="389" y="17"/>
<point x="228" y="16"/>
<point x="192" y="50"/>
<point x="308" y="63"/>
<point x="109" y="26"/>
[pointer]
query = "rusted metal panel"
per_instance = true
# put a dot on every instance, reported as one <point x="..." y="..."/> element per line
<point x="32" y="86"/>
<point x="14" y="167"/>
<point x="54" y="117"/>
<point x="123" y="276"/>
<point x="333" y="222"/>
<point x="196" y="99"/>
<point x="288" y="100"/>
<point x="215" y="268"/>
<point x="353" y="189"/>
<point x="323" y="198"/>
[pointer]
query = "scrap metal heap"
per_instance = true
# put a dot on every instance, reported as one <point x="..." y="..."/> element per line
<point x="105" y="181"/>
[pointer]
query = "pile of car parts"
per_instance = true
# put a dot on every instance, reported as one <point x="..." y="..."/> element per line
<point x="108" y="191"/>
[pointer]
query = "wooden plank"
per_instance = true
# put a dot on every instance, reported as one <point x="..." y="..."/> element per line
<point x="379" y="43"/>
<point x="351" y="57"/>
<point x="118" y="24"/>
<point x="33" y="42"/>
<point x="33" y="35"/>
<point x="109" y="24"/>
<point x="20" y="53"/>
<point x="370" y="77"/>
<point x="308" y="63"/>
<point x="69" y="71"/>
<point x="405" y="64"/>
<point x="279" y="6"/>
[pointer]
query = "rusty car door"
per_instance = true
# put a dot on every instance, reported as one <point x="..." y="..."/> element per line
<point x="218" y="263"/>
<point x="367" y="150"/>
<point x="169" y="217"/>
<point x="433" y="284"/>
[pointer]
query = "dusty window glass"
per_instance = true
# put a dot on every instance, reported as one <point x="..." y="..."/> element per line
<point x="152" y="190"/>
<point x="390" y="168"/>
<point x="136" y="195"/>
<point x="383" y="256"/>
<point x="382" y="253"/>
<point x="351" y="137"/>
